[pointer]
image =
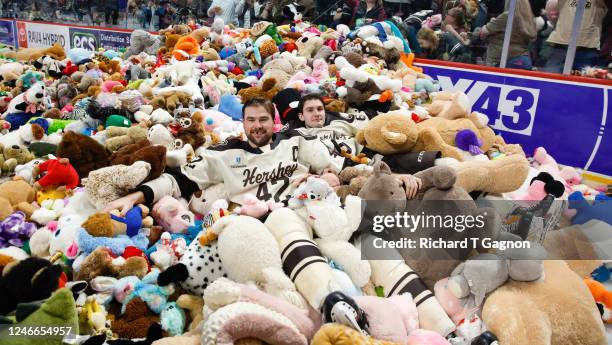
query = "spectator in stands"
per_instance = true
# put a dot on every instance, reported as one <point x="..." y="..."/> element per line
<point x="454" y="23"/>
<point x="224" y="9"/>
<point x="605" y="55"/>
<point x="164" y="13"/>
<point x="523" y="34"/>
<point x="398" y="8"/>
<point x="343" y="14"/>
<point x="589" y="35"/>
<point x="266" y="10"/>
<point x="546" y="17"/>
<point x="111" y="12"/>
<point x="247" y="13"/>
<point x="443" y="46"/>
<point x="146" y="14"/>
<point x="367" y="12"/>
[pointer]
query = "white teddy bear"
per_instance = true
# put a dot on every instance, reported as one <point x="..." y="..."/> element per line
<point x="25" y="170"/>
<point x="314" y="188"/>
<point x="50" y="210"/>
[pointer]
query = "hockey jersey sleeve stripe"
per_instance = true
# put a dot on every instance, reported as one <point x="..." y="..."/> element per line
<point x="187" y="186"/>
<point x="149" y="196"/>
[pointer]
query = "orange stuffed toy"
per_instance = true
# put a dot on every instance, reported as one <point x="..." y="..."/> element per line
<point x="603" y="298"/>
<point x="408" y="60"/>
<point x="185" y="47"/>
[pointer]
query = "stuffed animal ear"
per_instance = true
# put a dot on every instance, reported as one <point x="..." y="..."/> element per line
<point x="555" y="188"/>
<point x="544" y="177"/>
<point x="381" y="168"/>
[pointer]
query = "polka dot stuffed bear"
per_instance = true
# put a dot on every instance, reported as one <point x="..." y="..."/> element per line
<point x="198" y="267"/>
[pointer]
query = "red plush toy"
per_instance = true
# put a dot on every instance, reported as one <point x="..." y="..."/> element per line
<point x="59" y="173"/>
<point x="70" y="68"/>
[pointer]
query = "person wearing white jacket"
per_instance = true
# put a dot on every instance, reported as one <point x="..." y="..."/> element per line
<point x="224" y="9"/>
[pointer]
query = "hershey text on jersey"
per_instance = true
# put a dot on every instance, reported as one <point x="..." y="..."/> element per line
<point x="254" y="177"/>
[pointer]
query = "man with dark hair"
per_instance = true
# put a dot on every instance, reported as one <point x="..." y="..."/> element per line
<point x="265" y="165"/>
<point x="338" y="131"/>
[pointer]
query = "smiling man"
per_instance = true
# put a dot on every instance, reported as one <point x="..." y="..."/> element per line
<point x="265" y="165"/>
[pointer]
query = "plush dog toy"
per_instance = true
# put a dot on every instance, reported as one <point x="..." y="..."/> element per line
<point x="25" y="106"/>
<point x="59" y="172"/>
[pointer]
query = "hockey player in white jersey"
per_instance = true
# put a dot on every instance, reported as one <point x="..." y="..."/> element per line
<point x="265" y="165"/>
<point x="337" y="130"/>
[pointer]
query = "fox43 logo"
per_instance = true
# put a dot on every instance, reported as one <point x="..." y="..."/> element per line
<point x="84" y="40"/>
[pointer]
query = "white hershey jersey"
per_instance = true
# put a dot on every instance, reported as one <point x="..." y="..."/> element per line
<point x="266" y="172"/>
<point x="342" y="128"/>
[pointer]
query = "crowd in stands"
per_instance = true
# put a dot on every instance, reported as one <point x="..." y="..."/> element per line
<point x="469" y="31"/>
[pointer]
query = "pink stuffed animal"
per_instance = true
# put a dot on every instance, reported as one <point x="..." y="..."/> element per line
<point x="108" y="85"/>
<point x="173" y="215"/>
<point x="425" y="337"/>
<point x="391" y="318"/>
<point x="540" y="187"/>
<point x="300" y="80"/>
<point x="320" y="70"/>
<point x="256" y="208"/>
<point x="546" y="163"/>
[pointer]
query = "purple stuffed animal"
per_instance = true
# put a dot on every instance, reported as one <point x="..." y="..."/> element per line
<point x="14" y="230"/>
<point x="467" y="140"/>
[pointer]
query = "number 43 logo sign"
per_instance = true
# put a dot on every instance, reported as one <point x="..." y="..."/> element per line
<point x="509" y="108"/>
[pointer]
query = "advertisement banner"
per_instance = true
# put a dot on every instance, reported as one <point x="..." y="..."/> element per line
<point x="22" y="35"/>
<point x="7" y="33"/>
<point x="84" y="38"/>
<point x="566" y="117"/>
<point x="44" y="35"/>
<point x="114" y="40"/>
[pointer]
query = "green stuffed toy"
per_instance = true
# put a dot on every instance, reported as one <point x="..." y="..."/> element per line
<point x="273" y="32"/>
<point x="46" y="324"/>
<point x="54" y="125"/>
<point x="118" y="121"/>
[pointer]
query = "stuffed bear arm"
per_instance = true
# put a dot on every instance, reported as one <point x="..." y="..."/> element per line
<point x="348" y="258"/>
<point x="433" y="142"/>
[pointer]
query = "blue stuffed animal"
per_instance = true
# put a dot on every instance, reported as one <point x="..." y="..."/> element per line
<point x="172" y="317"/>
<point x="79" y="55"/>
<point x="426" y="84"/>
<point x="230" y="105"/>
<point x="147" y="290"/>
<point x="602" y="273"/>
<point x="117" y="245"/>
<point x="601" y="209"/>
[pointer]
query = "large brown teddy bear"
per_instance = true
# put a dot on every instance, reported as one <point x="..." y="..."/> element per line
<point x="556" y="310"/>
<point x="16" y="195"/>
<point x="395" y="132"/>
<point x="28" y="54"/>
<point x="142" y="151"/>
<point x="171" y="101"/>
<point x="84" y="153"/>
<point x="268" y="90"/>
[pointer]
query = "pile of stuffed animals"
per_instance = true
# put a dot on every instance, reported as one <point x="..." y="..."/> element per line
<point x="81" y="129"/>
